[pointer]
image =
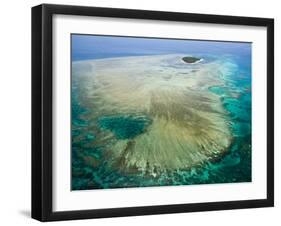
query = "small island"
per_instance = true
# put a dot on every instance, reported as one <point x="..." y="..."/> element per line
<point x="190" y="60"/>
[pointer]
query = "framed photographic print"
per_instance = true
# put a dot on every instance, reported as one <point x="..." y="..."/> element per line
<point x="145" y="112"/>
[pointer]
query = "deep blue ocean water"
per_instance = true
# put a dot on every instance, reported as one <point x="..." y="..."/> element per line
<point x="95" y="47"/>
<point x="235" y="166"/>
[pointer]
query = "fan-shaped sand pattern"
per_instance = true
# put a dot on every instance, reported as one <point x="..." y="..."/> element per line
<point x="184" y="124"/>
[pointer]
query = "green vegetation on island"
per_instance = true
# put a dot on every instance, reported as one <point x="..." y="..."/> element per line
<point x="190" y="60"/>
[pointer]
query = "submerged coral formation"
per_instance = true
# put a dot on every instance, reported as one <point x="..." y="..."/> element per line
<point x="151" y="114"/>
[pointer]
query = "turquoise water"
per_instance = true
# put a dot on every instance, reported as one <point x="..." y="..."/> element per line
<point x="124" y="126"/>
<point x="234" y="166"/>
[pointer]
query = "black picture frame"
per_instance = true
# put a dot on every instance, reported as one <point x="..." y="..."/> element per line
<point x="42" y="111"/>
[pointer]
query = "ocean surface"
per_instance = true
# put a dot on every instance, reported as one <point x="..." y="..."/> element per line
<point x="235" y="96"/>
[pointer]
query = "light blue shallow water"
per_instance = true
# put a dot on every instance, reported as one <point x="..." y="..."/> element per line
<point x="235" y="95"/>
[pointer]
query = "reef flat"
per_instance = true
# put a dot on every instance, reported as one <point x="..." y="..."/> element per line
<point x="150" y="115"/>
